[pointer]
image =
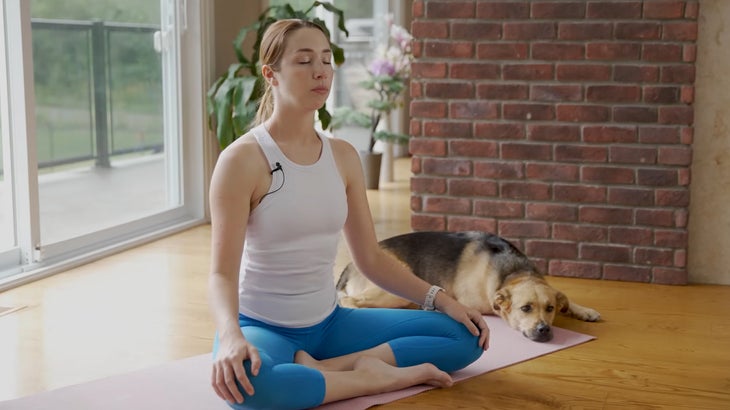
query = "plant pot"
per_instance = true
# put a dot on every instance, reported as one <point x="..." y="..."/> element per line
<point x="371" y="168"/>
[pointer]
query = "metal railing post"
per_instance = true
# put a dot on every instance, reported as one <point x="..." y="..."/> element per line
<point x="98" y="55"/>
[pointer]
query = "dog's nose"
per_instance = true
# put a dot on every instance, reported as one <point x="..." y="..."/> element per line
<point x="541" y="333"/>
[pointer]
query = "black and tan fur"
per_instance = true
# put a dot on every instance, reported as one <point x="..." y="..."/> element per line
<point x="481" y="270"/>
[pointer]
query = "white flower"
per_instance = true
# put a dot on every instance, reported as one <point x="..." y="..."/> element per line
<point x="401" y="36"/>
<point x="394" y="59"/>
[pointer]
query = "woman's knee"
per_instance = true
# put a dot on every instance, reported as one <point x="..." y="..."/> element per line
<point x="471" y="349"/>
<point x="446" y="343"/>
<point x="464" y="351"/>
<point x="463" y="348"/>
<point x="282" y="386"/>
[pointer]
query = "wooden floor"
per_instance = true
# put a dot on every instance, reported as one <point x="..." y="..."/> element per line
<point x="657" y="347"/>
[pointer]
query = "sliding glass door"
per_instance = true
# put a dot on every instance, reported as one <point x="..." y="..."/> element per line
<point x="99" y="141"/>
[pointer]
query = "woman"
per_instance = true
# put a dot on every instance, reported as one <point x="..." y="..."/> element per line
<point x="279" y="198"/>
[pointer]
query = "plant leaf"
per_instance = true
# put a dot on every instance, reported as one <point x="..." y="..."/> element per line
<point x="210" y="99"/>
<point x="213" y="101"/>
<point x="348" y="116"/>
<point x="390" y="136"/>
<point x="224" y="125"/>
<point x="339" y="13"/>
<point x="325" y="118"/>
<point x="244" y="107"/>
<point x="338" y="54"/>
<point x="238" y="42"/>
<point x="384" y="106"/>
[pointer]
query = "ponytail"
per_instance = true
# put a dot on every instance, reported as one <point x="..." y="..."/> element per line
<point x="266" y="106"/>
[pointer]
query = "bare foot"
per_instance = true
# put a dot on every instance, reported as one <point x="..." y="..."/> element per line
<point x="391" y="378"/>
<point x="305" y="359"/>
<point x="343" y="363"/>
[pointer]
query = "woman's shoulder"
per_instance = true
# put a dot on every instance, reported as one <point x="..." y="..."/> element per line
<point x="245" y="145"/>
<point x="243" y="153"/>
<point x="342" y="149"/>
<point x="347" y="160"/>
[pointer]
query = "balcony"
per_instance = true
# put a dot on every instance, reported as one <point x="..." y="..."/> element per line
<point x="99" y="127"/>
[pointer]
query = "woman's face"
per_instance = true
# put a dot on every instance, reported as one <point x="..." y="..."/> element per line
<point x="305" y="72"/>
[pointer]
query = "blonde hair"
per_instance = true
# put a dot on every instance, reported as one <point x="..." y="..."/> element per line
<point x="273" y="43"/>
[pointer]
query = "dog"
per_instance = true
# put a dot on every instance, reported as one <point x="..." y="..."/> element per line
<point x="479" y="269"/>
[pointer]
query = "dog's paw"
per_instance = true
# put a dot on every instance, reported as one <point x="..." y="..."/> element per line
<point x="588" y="315"/>
<point x="583" y="313"/>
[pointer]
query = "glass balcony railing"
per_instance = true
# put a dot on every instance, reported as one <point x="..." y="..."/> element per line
<point x="98" y="91"/>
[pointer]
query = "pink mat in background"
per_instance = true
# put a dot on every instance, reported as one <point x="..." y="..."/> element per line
<point x="184" y="384"/>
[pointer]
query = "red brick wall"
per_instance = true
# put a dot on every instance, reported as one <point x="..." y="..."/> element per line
<point x="564" y="126"/>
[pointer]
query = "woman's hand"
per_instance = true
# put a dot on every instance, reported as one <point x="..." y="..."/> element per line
<point x="471" y="318"/>
<point x="228" y="368"/>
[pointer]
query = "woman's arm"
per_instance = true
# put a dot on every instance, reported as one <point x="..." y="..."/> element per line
<point x="235" y="182"/>
<point x="380" y="266"/>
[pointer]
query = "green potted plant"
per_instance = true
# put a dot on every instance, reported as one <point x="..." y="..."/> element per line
<point x="388" y="72"/>
<point x="232" y="101"/>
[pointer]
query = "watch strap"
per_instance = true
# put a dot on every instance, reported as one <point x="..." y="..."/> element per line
<point x="431" y="297"/>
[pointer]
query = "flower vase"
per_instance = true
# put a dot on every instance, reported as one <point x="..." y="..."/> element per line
<point x="371" y="164"/>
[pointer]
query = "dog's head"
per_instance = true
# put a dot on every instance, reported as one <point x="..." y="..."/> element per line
<point x="529" y="304"/>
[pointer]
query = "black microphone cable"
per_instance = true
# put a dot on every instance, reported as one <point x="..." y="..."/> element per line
<point x="278" y="167"/>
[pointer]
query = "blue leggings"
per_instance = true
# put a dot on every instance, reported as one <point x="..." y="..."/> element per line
<point x="415" y="336"/>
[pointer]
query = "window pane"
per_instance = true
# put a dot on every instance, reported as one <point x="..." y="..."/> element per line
<point x="99" y="115"/>
<point x="136" y="93"/>
<point x="63" y="124"/>
<point x="358" y="47"/>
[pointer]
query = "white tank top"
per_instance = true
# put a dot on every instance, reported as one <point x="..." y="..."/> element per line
<point x="286" y="276"/>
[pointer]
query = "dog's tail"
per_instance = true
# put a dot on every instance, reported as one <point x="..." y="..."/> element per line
<point x="345" y="276"/>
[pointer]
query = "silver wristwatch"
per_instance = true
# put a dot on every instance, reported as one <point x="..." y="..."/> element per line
<point x="431" y="297"/>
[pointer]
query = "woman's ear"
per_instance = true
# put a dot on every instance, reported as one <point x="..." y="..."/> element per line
<point x="268" y="74"/>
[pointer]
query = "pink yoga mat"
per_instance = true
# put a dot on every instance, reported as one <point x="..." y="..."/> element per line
<point x="184" y="384"/>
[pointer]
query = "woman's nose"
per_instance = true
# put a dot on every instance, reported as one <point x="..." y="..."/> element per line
<point x="320" y="71"/>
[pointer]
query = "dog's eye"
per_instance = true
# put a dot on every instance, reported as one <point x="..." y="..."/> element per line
<point x="550" y="308"/>
<point x="526" y="308"/>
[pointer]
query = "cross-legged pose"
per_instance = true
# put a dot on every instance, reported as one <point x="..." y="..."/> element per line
<point x="280" y="197"/>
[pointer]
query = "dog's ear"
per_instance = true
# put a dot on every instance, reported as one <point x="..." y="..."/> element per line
<point x="502" y="301"/>
<point x="562" y="302"/>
